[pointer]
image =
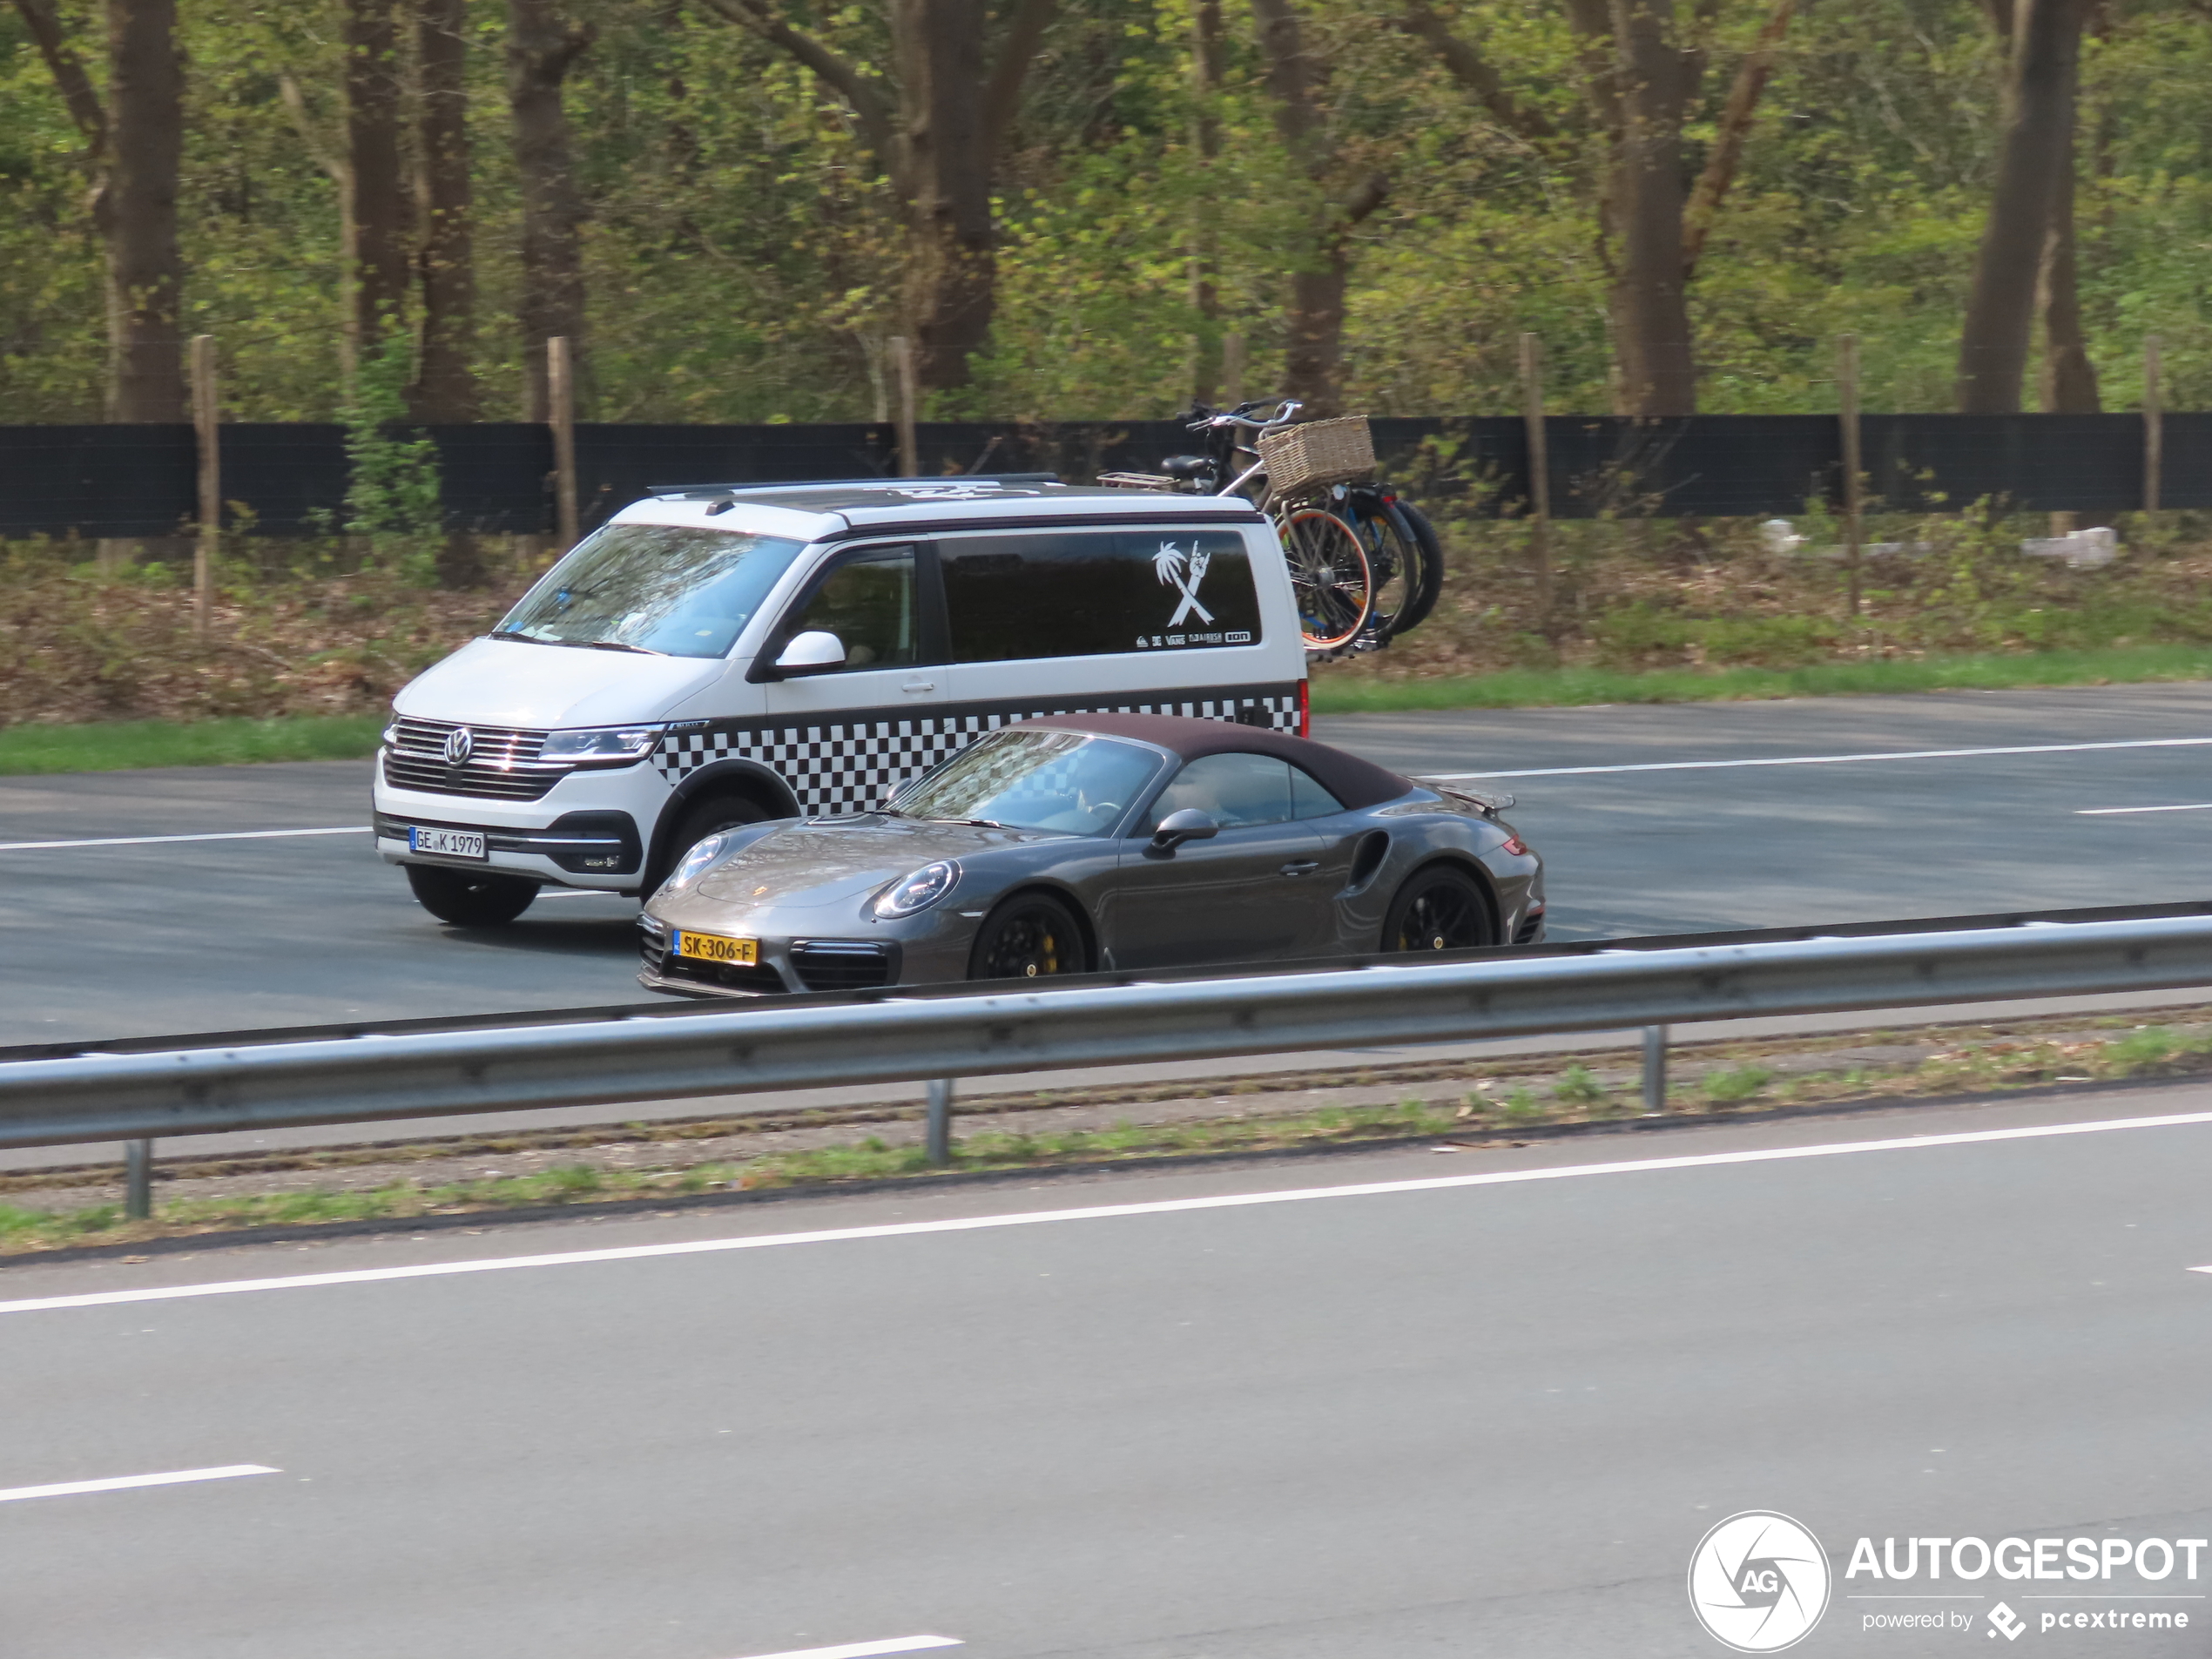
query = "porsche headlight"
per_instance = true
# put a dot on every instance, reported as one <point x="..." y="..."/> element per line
<point x="702" y="854"/>
<point x="603" y="744"/>
<point x="919" y="891"/>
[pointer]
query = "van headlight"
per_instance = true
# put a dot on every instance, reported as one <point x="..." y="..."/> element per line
<point x="620" y="744"/>
<point x="917" y="892"/>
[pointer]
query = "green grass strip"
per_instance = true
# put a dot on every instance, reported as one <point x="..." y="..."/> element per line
<point x="126" y="745"/>
<point x="1567" y="687"/>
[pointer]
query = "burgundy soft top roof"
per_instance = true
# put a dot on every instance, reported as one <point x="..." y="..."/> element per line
<point x="1355" y="782"/>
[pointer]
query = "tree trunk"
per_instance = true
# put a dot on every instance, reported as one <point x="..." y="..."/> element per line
<point x="2038" y="153"/>
<point x="1313" y="363"/>
<point x="445" y="386"/>
<point x="950" y="266"/>
<point x="379" y="217"/>
<point x="1207" y="52"/>
<point x="541" y="50"/>
<point x="1650" y="309"/>
<point x="135" y="209"/>
<point x="2069" y="378"/>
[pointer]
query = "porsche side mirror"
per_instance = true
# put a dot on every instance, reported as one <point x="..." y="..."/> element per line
<point x="1189" y="825"/>
<point x="811" y="650"/>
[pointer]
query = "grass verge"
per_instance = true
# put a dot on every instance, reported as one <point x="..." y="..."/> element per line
<point x="127" y="744"/>
<point x="28" y="750"/>
<point x="1574" y="1095"/>
<point x="1567" y="687"/>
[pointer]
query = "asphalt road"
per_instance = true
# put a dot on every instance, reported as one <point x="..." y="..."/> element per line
<point x="1491" y="1418"/>
<point x="181" y="936"/>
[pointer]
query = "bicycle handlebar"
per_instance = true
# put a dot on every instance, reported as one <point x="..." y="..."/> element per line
<point x="1283" y="417"/>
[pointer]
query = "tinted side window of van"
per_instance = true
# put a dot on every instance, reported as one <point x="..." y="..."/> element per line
<point x="1080" y="593"/>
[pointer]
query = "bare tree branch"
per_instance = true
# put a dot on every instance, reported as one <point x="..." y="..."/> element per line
<point x="839" y="74"/>
<point x="1735" y="127"/>
<point x="1002" y="98"/>
<point x="74" y="86"/>
<point x="317" y="142"/>
<point x="1471" y="71"/>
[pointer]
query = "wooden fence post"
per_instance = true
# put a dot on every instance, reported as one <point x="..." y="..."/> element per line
<point x="902" y="374"/>
<point x="205" y="418"/>
<point x="2154" y="427"/>
<point x="1540" y="473"/>
<point x="1854" y="499"/>
<point x="560" y="390"/>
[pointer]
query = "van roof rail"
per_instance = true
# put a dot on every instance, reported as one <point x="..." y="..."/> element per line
<point x="693" y="492"/>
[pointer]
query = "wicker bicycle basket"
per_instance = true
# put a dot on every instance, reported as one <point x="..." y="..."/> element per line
<point x="1315" y="453"/>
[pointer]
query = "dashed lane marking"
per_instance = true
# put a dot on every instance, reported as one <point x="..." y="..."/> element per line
<point x="124" y="1482"/>
<point x="157" y="840"/>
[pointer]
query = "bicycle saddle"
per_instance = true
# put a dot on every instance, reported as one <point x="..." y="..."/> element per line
<point x="1187" y="467"/>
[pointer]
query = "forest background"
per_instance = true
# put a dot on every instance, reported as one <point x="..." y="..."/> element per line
<point x="733" y="206"/>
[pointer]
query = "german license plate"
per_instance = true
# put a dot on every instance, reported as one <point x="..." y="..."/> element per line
<point x="446" y="843"/>
<point x="714" y="948"/>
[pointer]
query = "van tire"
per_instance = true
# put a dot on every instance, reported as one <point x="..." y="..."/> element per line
<point x="465" y="898"/>
<point x="709" y="817"/>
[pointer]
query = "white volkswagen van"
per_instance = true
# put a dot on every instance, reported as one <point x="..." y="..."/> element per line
<point x="719" y="655"/>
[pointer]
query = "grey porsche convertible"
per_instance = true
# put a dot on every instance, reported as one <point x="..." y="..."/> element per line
<point x="1090" y="841"/>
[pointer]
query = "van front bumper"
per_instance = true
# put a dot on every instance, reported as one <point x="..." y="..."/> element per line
<point x="586" y="849"/>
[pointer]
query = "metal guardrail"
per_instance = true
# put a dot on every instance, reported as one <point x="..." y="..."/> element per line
<point x="771" y="1047"/>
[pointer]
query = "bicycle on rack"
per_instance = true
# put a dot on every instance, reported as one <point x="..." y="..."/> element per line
<point x="1365" y="566"/>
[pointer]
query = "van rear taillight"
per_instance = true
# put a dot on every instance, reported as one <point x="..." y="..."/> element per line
<point x="1305" y="709"/>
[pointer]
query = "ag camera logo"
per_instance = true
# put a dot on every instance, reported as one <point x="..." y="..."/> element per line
<point x="1759" y="1582"/>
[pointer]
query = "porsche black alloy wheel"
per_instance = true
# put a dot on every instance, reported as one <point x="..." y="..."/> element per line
<point x="1028" y="937"/>
<point x="1440" y="908"/>
<point x="466" y="899"/>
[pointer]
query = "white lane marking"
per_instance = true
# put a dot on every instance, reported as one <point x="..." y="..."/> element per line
<point x="155" y="840"/>
<point x="1837" y="760"/>
<point x="124" y="1483"/>
<point x="1095" y="1212"/>
<point x="2201" y="1269"/>
<point x="580" y="892"/>
<point x="862" y="1649"/>
<point x="2121" y="811"/>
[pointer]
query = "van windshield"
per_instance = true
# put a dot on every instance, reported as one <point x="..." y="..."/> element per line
<point x="674" y="591"/>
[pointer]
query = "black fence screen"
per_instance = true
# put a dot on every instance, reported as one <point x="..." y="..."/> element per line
<point x="290" y="480"/>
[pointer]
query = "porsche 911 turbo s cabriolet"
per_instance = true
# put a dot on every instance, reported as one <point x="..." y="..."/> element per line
<point x="1085" y="841"/>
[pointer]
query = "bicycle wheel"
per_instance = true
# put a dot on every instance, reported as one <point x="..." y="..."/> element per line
<point x="1394" y="561"/>
<point x="1423" y="597"/>
<point x="1330" y="574"/>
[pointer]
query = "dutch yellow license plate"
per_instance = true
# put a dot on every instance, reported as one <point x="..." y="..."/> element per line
<point x="714" y="948"/>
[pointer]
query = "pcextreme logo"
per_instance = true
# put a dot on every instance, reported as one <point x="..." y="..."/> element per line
<point x="1758" y="1581"/>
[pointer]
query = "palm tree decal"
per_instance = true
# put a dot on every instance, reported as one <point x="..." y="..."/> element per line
<point x="1182" y="575"/>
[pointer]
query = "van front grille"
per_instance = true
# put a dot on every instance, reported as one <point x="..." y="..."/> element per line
<point x="502" y="762"/>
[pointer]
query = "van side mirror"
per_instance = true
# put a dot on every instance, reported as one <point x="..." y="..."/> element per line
<point x="811" y="650"/>
<point x="1189" y="825"/>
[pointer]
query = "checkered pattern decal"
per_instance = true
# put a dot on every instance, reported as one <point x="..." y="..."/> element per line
<point x="849" y="766"/>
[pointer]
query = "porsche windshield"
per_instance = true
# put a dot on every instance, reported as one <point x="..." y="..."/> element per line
<point x="1027" y="777"/>
<point x="674" y="591"/>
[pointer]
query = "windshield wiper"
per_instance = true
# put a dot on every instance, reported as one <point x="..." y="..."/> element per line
<point x="617" y="644"/>
<point x="984" y="823"/>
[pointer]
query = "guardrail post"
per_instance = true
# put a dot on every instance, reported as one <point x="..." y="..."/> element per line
<point x="1654" y="1069"/>
<point x="938" y="1140"/>
<point x="138" y="1179"/>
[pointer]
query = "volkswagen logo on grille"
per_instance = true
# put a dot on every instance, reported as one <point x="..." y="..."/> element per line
<point x="460" y="743"/>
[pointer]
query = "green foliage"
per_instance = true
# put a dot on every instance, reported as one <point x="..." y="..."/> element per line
<point x="1735" y="1083"/>
<point x="743" y="253"/>
<point x="1578" y="1087"/>
<point x="392" y="493"/>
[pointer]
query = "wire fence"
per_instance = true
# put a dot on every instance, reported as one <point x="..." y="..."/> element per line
<point x="291" y="479"/>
